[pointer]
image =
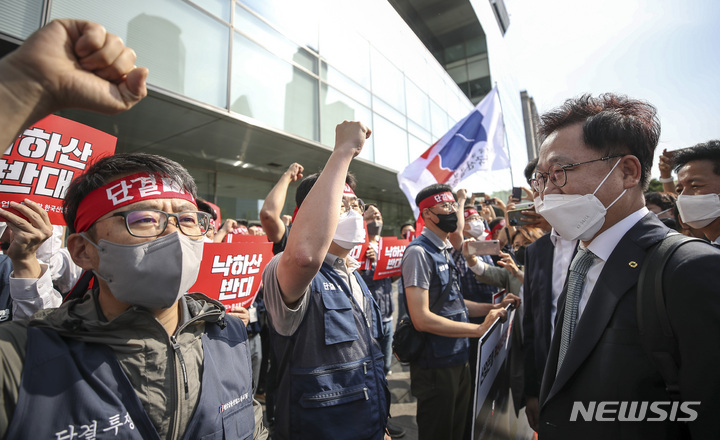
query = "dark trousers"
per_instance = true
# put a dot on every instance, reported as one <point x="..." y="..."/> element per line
<point x="443" y="397"/>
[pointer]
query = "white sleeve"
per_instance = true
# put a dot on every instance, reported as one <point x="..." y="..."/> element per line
<point x="32" y="294"/>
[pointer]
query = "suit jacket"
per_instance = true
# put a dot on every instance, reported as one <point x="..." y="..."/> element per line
<point x="537" y="305"/>
<point x="606" y="361"/>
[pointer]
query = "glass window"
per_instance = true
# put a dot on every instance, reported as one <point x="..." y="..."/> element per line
<point x="418" y="105"/>
<point x="419" y="132"/>
<point x="391" y="144"/>
<point x="476" y="46"/>
<point x="382" y="108"/>
<point x="439" y="121"/>
<point x="337" y="107"/>
<point x="416" y="147"/>
<point x="479" y="69"/>
<point x="205" y="181"/>
<point x="239" y="197"/>
<point x="459" y="74"/>
<point x="271" y="90"/>
<point x="20" y="19"/>
<point x="164" y="34"/>
<point x="345" y="84"/>
<point x="334" y="44"/>
<point x="272" y="40"/>
<point x="219" y="8"/>
<point x="388" y="81"/>
<point x="298" y="20"/>
<point x="454" y="53"/>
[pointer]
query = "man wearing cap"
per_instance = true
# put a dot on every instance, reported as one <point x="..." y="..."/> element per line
<point x="440" y="378"/>
<point x="325" y="324"/>
<point x="135" y="357"/>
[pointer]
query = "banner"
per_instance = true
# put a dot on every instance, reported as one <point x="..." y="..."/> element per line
<point x="476" y="143"/>
<point x="232" y="272"/>
<point x="45" y="158"/>
<point x="389" y="257"/>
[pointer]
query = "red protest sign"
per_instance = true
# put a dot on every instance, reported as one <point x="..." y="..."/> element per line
<point x="45" y="158"/>
<point x="389" y="257"/>
<point x="231" y="272"/>
<point x="359" y="251"/>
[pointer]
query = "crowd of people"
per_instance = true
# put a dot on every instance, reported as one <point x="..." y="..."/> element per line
<point x="102" y="337"/>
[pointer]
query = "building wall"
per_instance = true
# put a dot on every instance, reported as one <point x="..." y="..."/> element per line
<point x="298" y="66"/>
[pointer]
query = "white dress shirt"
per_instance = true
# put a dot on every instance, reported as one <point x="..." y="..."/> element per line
<point x="562" y="255"/>
<point x="602" y="246"/>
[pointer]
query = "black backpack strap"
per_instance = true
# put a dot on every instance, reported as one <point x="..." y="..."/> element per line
<point x="654" y="325"/>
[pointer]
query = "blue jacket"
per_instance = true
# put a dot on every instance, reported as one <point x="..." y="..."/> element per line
<point x="73" y="387"/>
<point x="441" y="351"/>
<point x="332" y="383"/>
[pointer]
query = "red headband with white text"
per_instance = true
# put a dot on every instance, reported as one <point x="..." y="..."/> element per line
<point x="123" y="191"/>
<point x="435" y="199"/>
<point x="469" y="212"/>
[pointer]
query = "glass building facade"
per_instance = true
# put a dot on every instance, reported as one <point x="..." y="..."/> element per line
<point x="294" y="67"/>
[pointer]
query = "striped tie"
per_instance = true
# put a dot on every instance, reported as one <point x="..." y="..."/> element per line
<point x="576" y="278"/>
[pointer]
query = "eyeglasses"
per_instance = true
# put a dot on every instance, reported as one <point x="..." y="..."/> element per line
<point x="447" y="206"/>
<point x="354" y="204"/>
<point x="557" y="174"/>
<point x="148" y="223"/>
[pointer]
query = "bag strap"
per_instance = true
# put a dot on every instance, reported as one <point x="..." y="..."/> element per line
<point x="654" y="325"/>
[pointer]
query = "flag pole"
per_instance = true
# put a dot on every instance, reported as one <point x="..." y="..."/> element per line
<point x="507" y="144"/>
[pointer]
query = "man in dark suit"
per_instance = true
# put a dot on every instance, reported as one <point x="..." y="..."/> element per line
<point x="595" y="162"/>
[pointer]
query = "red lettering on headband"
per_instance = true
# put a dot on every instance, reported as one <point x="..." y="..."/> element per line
<point x="469" y="212"/>
<point x="348" y="192"/>
<point x="435" y="199"/>
<point x="124" y="191"/>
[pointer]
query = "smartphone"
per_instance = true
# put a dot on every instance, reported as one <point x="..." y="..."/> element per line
<point x="489" y="202"/>
<point x="479" y="195"/>
<point x="517" y="193"/>
<point x="525" y="206"/>
<point x="485" y="247"/>
<point x="515" y="217"/>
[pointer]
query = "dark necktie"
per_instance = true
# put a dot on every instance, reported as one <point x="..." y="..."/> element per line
<point x="576" y="279"/>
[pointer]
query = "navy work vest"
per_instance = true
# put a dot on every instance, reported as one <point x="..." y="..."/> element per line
<point x="442" y="351"/>
<point x="70" y="387"/>
<point x="332" y="382"/>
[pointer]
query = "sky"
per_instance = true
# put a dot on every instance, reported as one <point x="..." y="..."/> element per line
<point x="666" y="52"/>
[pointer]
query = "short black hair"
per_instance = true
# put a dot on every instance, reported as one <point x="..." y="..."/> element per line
<point x="308" y="182"/>
<point x="709" y="150"/>
<point x="530" y="170"/>
<point x="205" y="207"/>
<point x="612" y="124"/>
<point x="407" y="224"/>
<point x="663" y="200"/>
<point x="110" y="168"/>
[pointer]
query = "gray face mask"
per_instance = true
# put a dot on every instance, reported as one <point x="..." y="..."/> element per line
<point x="154" y="274"/>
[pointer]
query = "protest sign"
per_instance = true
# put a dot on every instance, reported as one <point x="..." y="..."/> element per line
<point x="232" y="272"/>
<point x="389" y="257"/>
<point x="45" y="158"/>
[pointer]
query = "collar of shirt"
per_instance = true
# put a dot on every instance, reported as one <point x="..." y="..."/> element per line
<point x="347" y="265"/>
<point x="555" y="238"/>
<point x="603" y="245"/>
<point x="434" y="239"/>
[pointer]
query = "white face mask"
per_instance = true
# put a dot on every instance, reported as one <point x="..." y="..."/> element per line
<point x="538" y="202"/>
<point x="699" y="211"/>
<point x="477" y="229"/>
<point x="153" y="274"/>
<point x="350" y="230"/>
<point x="576" y="216"/>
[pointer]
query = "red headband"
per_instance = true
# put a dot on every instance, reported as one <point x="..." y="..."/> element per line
<point x="500" y="225"/>
<point x="470" y="212"/>
<point x="435" y="199"/>
<point x="121" y="192"/>
<point x="348" y="192"/>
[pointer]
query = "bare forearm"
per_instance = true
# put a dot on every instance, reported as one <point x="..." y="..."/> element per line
<point x="22" y="102"/>
<point x="476" y="309"/>
<point x="270" y="214"/>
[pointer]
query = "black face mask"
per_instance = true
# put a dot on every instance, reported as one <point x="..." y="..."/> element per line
<point x="520" y="255"/>
<point x="374" y="227"/>
<point x="4" y="246"/>
<point x="447" y="222"/>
